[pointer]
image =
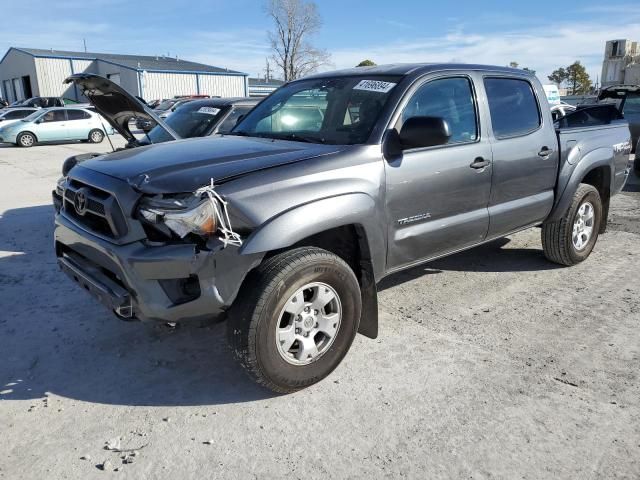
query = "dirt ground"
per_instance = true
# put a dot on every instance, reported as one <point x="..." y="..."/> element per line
<point x="493" y="363"/>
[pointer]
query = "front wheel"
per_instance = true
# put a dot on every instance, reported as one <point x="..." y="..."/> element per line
<point x="26" y="139"/>
<point x="295" y="319"/>
<point x="96" y="136"/>
<point x="571" y="239"/>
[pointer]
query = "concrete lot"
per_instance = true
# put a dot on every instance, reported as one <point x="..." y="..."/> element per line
<point x="493" y="363"/>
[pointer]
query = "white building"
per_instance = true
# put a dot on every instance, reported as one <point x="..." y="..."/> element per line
<point x="31" y="72"/>
<point x="621" y="63"/>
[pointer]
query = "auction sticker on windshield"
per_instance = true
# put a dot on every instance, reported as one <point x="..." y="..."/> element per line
<point x="209" y="110"/>
<point x="374" y="86"/>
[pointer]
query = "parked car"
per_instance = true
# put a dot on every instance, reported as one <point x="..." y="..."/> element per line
<point x="166" y="108"/>
<point x="287" y="223"/>
<point x="155" y="103"/>
<point x="627" y="100"/>
<point x="12" y="115"/>
<point x="55" y="125"/>
<point x="40" y="102"/>
<point x="200" y="118"/>
<point x="559" y="111"/>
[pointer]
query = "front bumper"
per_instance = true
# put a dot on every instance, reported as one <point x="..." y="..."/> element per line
<point x="7" y="137"/>
<point x="132" y="279"/>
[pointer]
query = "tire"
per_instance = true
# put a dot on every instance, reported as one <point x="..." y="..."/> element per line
<point x="258" y="318"/>
<point x="26" y="140"/>
<point x="558" y="237"/>
<point x="636" y="163"/>
<point x="96" y="136"/>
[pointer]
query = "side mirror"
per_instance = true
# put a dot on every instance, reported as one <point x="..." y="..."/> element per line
<point x="421" y="132"/>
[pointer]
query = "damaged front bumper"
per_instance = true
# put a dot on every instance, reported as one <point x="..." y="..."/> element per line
<point x="167" y="282"/>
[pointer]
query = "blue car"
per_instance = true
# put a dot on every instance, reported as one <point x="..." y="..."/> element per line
<point x="56" y="124"/>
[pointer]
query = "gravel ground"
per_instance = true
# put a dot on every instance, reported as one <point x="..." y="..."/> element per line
<point x="493" y="363"/>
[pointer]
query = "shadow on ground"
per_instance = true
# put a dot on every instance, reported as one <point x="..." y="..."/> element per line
<point x="55" y="338"/>
<point x="490" y="257"/>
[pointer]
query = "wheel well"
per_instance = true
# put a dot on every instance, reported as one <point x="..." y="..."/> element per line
<point x="30" y="133"/>
<point x="600" y="178"/>
<point x="349" y="242"/>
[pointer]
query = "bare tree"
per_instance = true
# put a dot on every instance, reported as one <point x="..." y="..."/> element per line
<point x="295" y="21"/>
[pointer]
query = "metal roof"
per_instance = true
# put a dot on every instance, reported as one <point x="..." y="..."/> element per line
<point x="134" y="62"/>
<point x="415" y="68"/>
<point x="272" y="82"/>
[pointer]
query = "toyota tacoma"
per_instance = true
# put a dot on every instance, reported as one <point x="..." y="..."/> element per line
<point x="285" y="225"/>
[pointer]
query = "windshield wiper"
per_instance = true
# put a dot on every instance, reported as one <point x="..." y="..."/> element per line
<point x="296" y="137"/>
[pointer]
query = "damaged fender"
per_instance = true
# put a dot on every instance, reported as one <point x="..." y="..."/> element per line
<point x="301" y="222"/>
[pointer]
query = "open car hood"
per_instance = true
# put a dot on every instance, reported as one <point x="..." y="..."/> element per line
<point x="618" y="91"/>
<point x="115" y="104"/>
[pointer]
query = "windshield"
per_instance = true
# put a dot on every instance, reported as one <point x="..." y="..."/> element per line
<point x="34" y="116"/>
<point x="188" y="121"/>
<point x="166" y="105"/>
<point x="338" y="111"/>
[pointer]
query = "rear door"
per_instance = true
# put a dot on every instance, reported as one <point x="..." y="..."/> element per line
<point x="52" y="126"/>
<point x="79" y="123"/>
<point x="437" y="197"/>
<point x="525" y="153"/>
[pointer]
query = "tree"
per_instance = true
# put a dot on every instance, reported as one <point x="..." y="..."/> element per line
<point x="295" y="21"/>
<point x="558" y="76"/>
<point x="578" y="79"/>
<point x="366" y="63"/>
<point x="516" y="65"/>
<point x="575" y="77"/>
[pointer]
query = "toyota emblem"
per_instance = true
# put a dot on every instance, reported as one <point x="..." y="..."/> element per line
<point x="80" y="202"/>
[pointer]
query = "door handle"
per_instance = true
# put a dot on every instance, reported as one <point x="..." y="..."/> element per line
<point x="480" y="163"/>
<point x="545" y="152"/>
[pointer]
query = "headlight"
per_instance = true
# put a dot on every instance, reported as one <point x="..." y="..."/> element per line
<point x="200" y="219"/>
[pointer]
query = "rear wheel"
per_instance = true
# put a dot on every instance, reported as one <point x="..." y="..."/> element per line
<point x="295" y="319"/>
<point x="26" y="139"/>
<point x="96" y="136"/>
<point x="571" y="240"/>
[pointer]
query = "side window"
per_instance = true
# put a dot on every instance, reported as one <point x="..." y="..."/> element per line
<point x="54" y="116"/>
<point x="17" y="114"/>
<point x="77" y="115"/>
<point x="448" y="98"/>
<point x="513" y="106"/>
<point x="232" y="119"/>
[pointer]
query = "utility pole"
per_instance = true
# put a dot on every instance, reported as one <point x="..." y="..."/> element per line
<point x="267" y="71"/>
<point x="84" y="41"/>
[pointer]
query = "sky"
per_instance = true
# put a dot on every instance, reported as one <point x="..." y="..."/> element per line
<point x="233" y="33"/>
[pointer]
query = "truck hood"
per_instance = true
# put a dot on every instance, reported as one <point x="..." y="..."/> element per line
<point x="115" y="104"/>
<point x="187" y="165"/>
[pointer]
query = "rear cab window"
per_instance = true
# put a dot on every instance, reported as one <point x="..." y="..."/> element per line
<point x="513" y="107"/>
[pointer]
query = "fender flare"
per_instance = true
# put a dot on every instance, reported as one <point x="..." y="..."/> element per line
<point x="601" y="157"/>
<point x="302" y="221"/>
<point x="317" y="216"/>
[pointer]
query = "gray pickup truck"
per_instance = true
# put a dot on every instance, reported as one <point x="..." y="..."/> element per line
<point x="285" y="226"/>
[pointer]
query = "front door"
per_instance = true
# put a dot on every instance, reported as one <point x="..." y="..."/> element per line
<point x="437" y="197"/>
<point x="53" y="126"/>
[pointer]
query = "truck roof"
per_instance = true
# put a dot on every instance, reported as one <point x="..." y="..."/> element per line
<point x="407" y="69"/>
